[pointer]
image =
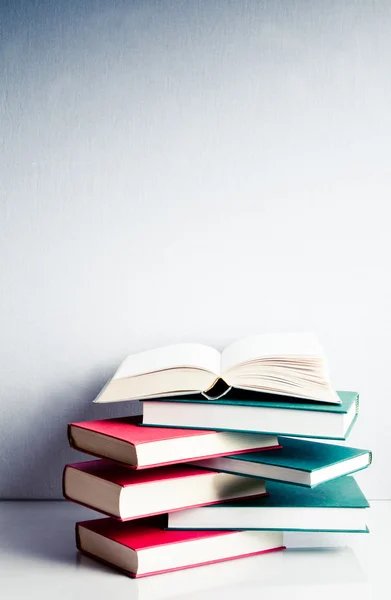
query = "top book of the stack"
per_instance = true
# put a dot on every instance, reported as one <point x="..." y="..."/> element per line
<point x="283" y="364"/>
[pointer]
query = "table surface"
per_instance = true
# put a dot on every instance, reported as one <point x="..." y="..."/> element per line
<point x="38" y="559"/>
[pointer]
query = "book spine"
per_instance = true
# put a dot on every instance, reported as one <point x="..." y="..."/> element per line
<point x="71" y="441"/>
<point x="63" y="483"/>
<point x="77" y="537"/>
<point x="105" y="562"/>
<point x="211" y="397"/>
<point x="74" y="446"/>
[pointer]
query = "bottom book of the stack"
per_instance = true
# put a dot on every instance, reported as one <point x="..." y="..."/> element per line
<point x="143" y="547"/>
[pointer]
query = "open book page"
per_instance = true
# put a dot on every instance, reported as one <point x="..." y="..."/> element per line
<point x="196" y="356"/>
<point x="278" y="345"/>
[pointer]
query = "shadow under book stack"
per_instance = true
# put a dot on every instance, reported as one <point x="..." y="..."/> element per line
<point x="201" y="481"/>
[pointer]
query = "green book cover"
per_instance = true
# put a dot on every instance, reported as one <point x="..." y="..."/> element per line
<point x="338" y="493"/>
<point x="297" y="461"/>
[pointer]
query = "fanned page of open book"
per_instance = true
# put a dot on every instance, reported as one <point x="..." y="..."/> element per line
<point x="172" y="370"/>
<point x="206" y="358"/>
<point x="286" y="364"/>
<point x="271" y="346"/>
<point x="196" y="356"/>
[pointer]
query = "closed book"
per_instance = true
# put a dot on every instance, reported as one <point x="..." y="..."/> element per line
<point x="123" y="440"/>
<point x="125" y="494"/>
<point x="257" y="413"/>
<point x="300" y="462"/>
<point x="143" y="548"/>
<point x="337" y="505"/>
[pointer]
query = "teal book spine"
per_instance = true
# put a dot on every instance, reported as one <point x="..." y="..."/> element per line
<point x="258" y="399"/>
<point x="297" y="435"/>
<point x="365" y="530"/>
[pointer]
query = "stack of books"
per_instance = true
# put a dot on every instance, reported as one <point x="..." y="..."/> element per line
<point x="219" y="465"/>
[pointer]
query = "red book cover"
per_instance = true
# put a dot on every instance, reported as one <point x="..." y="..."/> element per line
<point x="128" y="430"/>
<point x="148" y="533"/>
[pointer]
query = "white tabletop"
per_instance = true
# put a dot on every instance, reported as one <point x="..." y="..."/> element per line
<point x="38" y="559"/>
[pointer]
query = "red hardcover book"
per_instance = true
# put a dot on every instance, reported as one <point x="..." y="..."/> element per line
<point x="143" y="548"/>
<point x="123" y="440"/>
<point x="125" y="494"/>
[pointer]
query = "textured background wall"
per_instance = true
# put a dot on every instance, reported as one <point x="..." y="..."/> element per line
<point x="194" y="171"/>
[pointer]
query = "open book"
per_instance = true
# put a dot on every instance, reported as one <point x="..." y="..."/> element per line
<point x="285" y="364"/>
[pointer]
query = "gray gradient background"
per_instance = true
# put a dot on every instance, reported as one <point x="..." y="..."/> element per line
<point x="193" y="171"/>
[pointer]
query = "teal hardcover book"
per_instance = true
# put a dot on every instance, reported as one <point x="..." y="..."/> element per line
<point x="337" y="505"/>
<point x="300" y="462"/>
<point x="256" y="412"/>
